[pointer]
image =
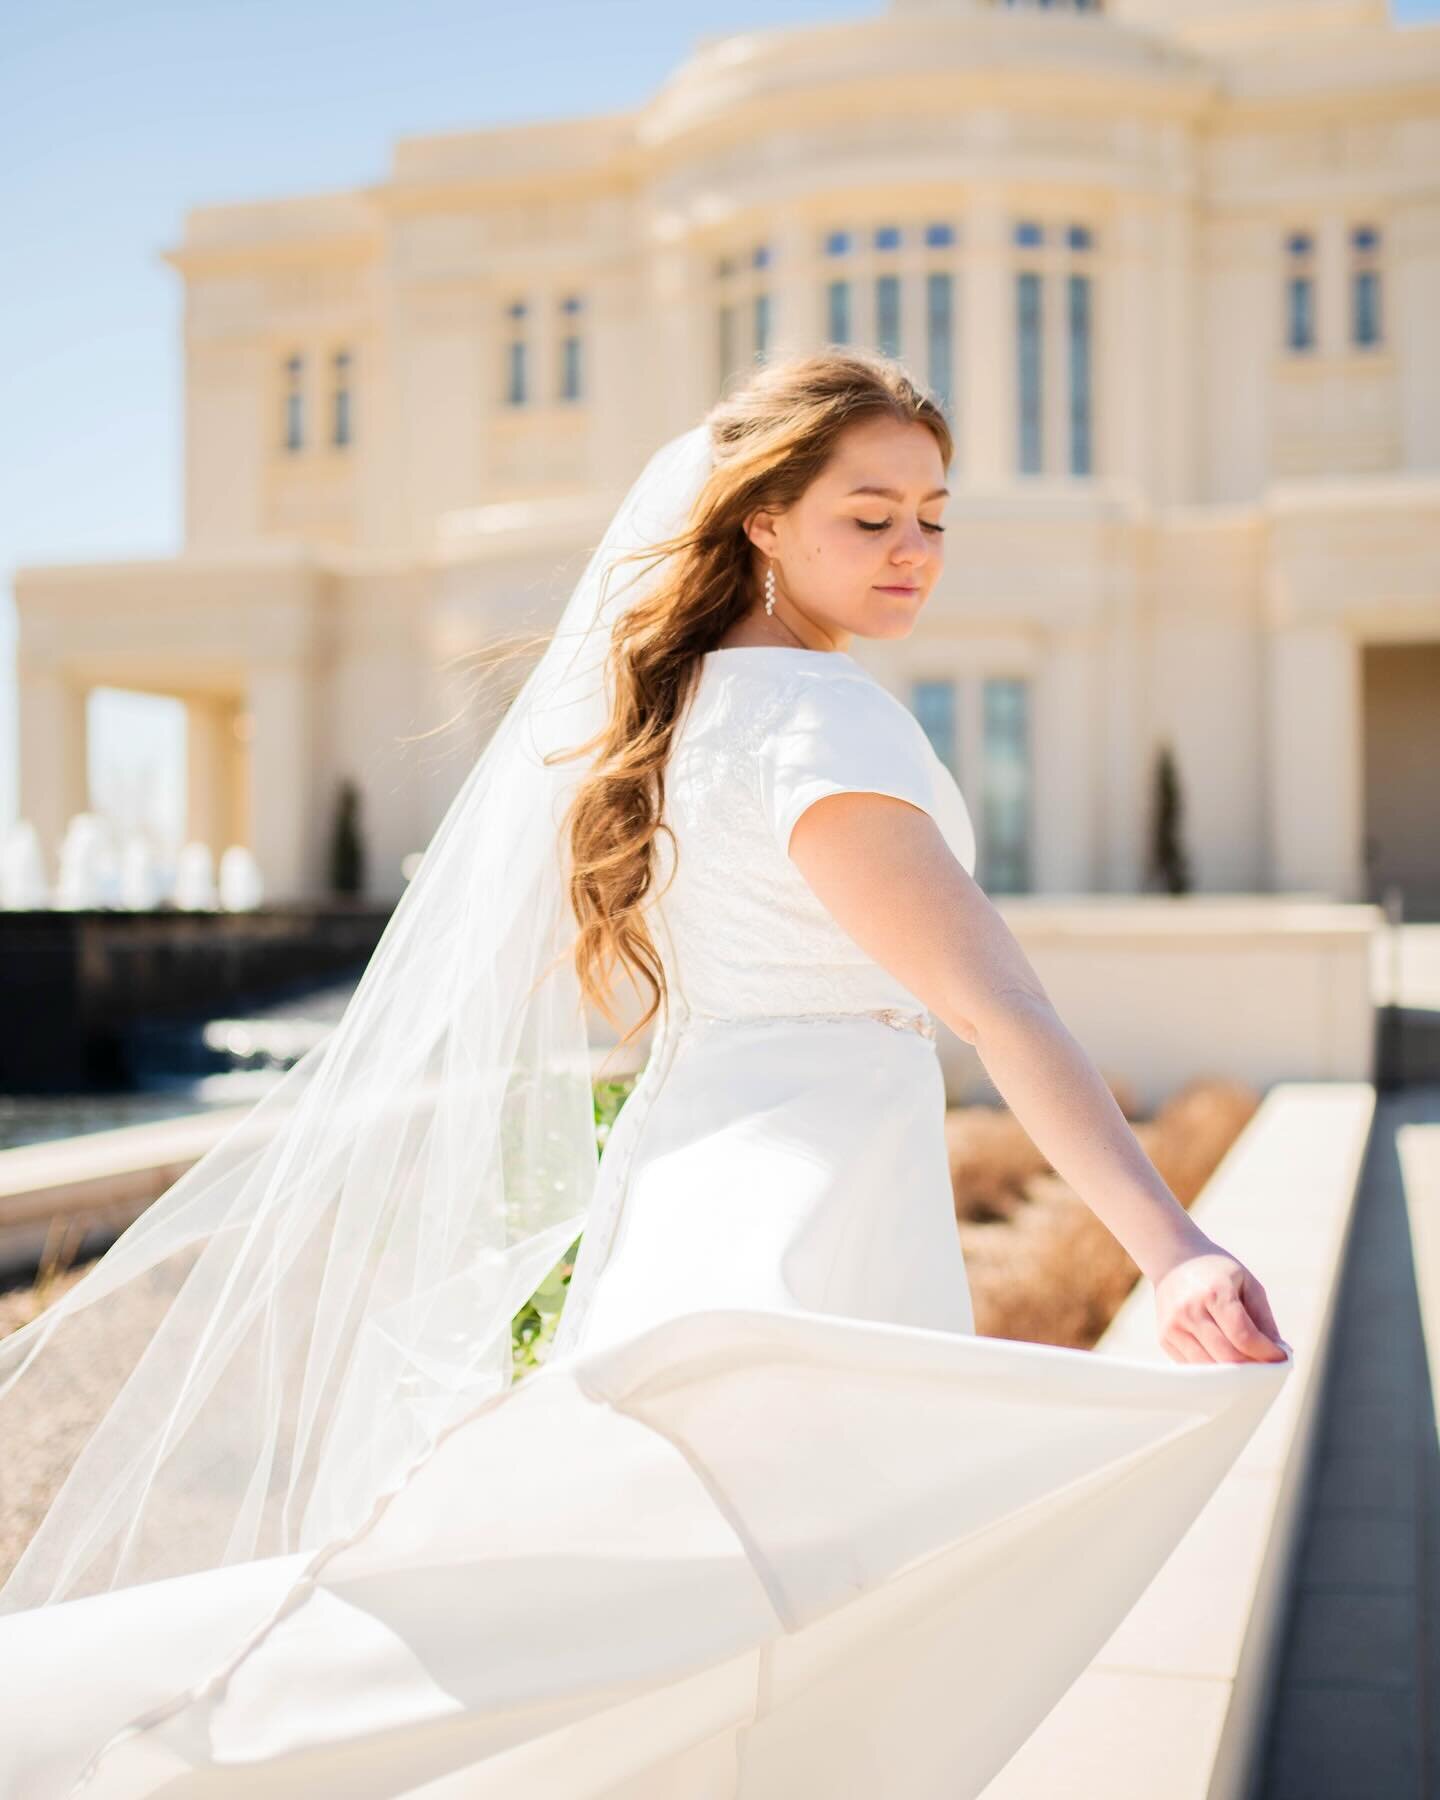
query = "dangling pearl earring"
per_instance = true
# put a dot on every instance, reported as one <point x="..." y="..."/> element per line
<point x="770" y="590"/>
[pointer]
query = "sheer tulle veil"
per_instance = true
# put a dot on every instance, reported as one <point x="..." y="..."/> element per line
<point x="285" y="1332"/>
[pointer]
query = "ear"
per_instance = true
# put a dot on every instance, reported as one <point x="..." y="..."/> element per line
<point x="759" y="527"/>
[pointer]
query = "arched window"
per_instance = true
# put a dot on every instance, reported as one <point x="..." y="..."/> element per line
<point x="1365" y="322"/>
<point x="571" y="384"/>
<point x="1300" y="291"/>
<point x="294" y="438"/>
<point x="516" y="371"/>
<point x="340" y="399"/>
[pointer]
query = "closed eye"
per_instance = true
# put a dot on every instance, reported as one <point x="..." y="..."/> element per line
<point x="866" y="525"/>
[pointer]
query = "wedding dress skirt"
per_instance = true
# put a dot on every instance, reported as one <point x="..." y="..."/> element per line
<point x="772" y="1522"/>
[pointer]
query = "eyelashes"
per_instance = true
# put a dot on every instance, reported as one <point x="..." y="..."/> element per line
<point x="865" y="525"/>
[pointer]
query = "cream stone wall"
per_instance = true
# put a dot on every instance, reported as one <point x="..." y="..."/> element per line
<point x="1254" y="517"/>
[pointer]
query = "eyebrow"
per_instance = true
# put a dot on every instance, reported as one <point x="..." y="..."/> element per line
<point x="891" y="494"/>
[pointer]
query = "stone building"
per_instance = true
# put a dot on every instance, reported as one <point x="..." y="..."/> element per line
<point x="1172" y="266"/>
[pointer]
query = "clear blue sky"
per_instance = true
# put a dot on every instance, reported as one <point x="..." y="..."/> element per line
<point x="115" y="117"/>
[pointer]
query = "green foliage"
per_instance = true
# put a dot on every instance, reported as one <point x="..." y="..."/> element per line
<point x="532" y="1330"/>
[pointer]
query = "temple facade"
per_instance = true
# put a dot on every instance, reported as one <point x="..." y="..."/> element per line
<point x="1171" y="266"/>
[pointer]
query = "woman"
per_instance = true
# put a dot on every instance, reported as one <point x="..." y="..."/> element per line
<point x="772" y="1518"/>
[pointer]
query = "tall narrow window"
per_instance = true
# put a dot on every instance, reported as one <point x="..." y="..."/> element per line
<point x="294" y="402"/>
<point x="933" y="703"/>
<point x="837" y="312"/>
<point x="340" y="400"/>
<point x="939" y="336"/>
<point x="516" y="371"/>
<point x="1028" y="353"/>
<point x="1080" y="420"/>
<point x="1300" y="291"/>
<point x="1005" y="785"/>
<point x="570" y="348"/>
<point x="887" y="314"/>
<point x="1364" y="286"/>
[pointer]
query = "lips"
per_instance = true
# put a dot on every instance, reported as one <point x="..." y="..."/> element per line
<point x="884" y="589"/>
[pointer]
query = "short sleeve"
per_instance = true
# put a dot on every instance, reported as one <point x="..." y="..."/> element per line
<point x="842" y="734"/>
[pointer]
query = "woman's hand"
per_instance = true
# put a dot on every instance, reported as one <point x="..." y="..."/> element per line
<point x="1210" y="1308"/>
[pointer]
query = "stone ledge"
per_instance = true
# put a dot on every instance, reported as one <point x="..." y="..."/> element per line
<point x="1175" y="1701"/>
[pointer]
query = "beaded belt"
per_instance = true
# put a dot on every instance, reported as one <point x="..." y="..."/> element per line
<point x="897" y="1016"/>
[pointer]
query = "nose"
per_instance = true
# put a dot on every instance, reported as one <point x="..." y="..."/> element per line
<point x="914" y="545"/>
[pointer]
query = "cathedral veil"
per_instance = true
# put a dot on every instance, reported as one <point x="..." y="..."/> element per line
<point x="281" y="1336"/>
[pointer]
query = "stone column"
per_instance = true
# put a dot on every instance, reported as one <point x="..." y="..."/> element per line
<point x="210" y="754"/>
<point x="1122" y="363"/>
<point x="1065" y="768"/>
<point x="1409" y="307"/>
<point x="986" y="366"/>
<point x="288" y="835"/>
<point x="794" y="284"/>
<point x="54" y="777"/>
<point x="1314" y="721"/>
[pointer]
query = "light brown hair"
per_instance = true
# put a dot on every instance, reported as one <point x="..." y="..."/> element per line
<point x="771" y="437"/>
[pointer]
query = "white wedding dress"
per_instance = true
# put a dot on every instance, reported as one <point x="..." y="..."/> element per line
<point x="772" y="1522"/>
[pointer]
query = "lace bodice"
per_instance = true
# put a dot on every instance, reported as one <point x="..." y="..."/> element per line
<point x="768" y="730"/>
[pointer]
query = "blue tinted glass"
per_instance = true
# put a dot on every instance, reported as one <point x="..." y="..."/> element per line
<point x="515" y="392"/>
<point x="761" y="256"/>
<point x="939" y="234"/>
<point x="1078" y="237"/>
<point x="570" y="369"/>
<point x="1079" y="325"/>
<point x="1028" y="232"/>
<point x="933" y="704"/>
<point x="887" y="314"/>
<point x="1364" y="237"/>
<point x="837" y="243"/>
<point x="939" y="336"/>
<point x="1027" y="335"/>
<point x="887" y="237"/>
<point x="762" y="325"/>
<point x="570" y="304"/>
<point x="516" y="309"/>
<point x="1300" y="243"/>
<point x="1005" y="786"/>
<point x="837" y="316"/>
<point x="1300" y="326"/>
<point x="1366" y="307"/>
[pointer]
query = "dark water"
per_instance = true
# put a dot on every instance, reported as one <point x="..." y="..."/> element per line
<point x="185" y="1069"/>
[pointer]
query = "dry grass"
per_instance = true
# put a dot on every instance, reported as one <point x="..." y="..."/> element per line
<point x="1041" y="1265"/>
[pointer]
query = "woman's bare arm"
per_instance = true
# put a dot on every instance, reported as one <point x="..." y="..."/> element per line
<point x="883" y="870"/>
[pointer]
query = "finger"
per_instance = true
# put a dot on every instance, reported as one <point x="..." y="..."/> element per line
<point x="1183" y="1346"/>
<point x="1258" y="1303"/>
<point x="1253" y="1344"/>
<point x="1217" y="1345"/>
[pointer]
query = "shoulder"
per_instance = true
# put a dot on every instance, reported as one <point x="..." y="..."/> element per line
<point x="850" y="700"/>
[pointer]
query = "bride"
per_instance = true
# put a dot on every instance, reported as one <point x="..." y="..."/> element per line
<point x="771" y="1519"/>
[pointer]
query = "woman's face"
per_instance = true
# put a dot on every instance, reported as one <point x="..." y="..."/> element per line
<point x="859" y="562"/>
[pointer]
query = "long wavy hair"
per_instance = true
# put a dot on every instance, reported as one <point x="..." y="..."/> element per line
<point x="771" y="436"/>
